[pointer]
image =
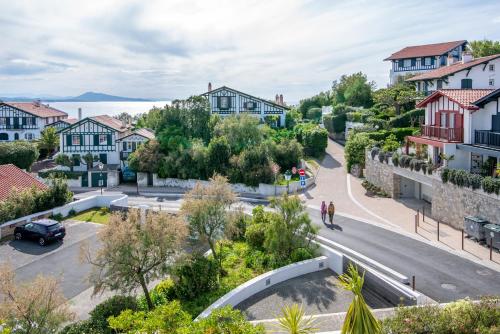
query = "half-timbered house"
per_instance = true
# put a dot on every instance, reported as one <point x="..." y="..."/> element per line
<point x="26" y="120"/>
<point x="62" y="123"/>
<point x="225" y="101"/>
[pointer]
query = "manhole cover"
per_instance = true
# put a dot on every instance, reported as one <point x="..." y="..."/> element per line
<point x="483" y="272"/>
<point x="448" y="286"/>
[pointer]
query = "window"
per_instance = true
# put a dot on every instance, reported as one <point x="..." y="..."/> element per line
<point x="439" y="84"/>
<point x="407" y="63"/>
<point x="466" y="84"/>
<point x="413" y="62"/>
<point x="75" y="140"/>
<point x="427" y="61"/>
<point x="491" y="67"/>
<point x="28" y="136"/>
<point x="418" y="86"/>
<point x="129" y="146"/>
<point x="4" y="136"/>
<point x="3" y="121"/>
<point x="224" y="102"/>
<point x="103" y="139"/>
<point x="491" y="82"/>
<point x="443" y="120"/>
<point x="451" y="120"/>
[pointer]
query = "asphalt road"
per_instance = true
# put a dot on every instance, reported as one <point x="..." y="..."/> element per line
<point x="439" y="274"/>
<point x="60" y="259"/>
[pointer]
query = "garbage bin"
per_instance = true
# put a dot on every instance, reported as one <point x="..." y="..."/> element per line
<point x="474" y="227"/>
<point x="492" y="233"/>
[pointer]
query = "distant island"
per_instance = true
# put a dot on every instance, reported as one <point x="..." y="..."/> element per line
<point x="85" y="97"/>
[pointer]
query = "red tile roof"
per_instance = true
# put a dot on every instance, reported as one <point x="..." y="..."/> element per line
<point x="111" y="122"/>
<point x="425" y="50"/>
<point x="38" y="109"/>
<point x="454" y="68"/>
<point x="13" y="177"/>
<point x="464" y="97"/>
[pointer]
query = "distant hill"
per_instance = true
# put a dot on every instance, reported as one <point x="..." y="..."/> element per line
<point x="85" y="97"/>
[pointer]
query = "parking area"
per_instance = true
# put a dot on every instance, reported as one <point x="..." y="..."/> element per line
<point x="60" y="259"/>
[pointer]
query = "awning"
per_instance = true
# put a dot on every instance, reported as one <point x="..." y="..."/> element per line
<point x="483" y="150"/>
<point x="425" y="141"/>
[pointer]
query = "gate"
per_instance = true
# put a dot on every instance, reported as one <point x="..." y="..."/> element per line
<point x="96" y="177"/>
<point x="85" y="179"/>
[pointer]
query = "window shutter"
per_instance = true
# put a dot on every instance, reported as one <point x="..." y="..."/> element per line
<point x="33" y="121"/>
<point x="96" y="140"/>
<point x="134" y="146"/>
<point x="109" y="140"/>
<point x="432" y="61"/>
<point x="81" y="140"/>
<point x="7" y="121"/>
<point x="23" y="122"/>
<point x="124" y="146"/>
<point x="69" y="141"/>
<point x="218" y="102"/>
<point x="413" y="61"/>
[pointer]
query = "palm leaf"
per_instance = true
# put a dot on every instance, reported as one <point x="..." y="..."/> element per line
<point x="294" y="321"/>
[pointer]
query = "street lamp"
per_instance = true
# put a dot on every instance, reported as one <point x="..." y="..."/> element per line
<point x="288" y="177"/>
<point x="101" y="166"/>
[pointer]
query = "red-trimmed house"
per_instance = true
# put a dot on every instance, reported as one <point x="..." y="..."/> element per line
<point x="463" y="123"/>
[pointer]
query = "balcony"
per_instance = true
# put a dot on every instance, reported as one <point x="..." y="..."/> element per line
<point x="443" y="134"/>
<point x="487" y="138"/>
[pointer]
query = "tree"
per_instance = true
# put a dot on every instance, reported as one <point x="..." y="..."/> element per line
<point x="125" y="117"/>
<point x="316" y="101"/>
<point x="401" y="96"/>
<point x="219" y="152"/>
<point x="205" y="209"/>
<point x="65" y="160"/>
<point x="293" y="320"/>
<point x="49" y="140"/>
<point x="354" y="90"/>
<point x="252" y="166"/>
<point x="20" y="153"/>
<point x="150" y="120"/>
<point x="36" y="307"/>
<point x="354" y="151"/>
<point x="359" y="319"/>
<point x="287" y="154"/>
<point x="483" y="48"/>
<point x="241" y="131"/>
<point x="133" y="252"/>
<point x="146" y="158"/>
<point x="290" y="229"/>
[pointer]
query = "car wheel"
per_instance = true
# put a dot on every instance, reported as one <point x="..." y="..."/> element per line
<point x="18" y="236"/>
<point x="41" y="242"/>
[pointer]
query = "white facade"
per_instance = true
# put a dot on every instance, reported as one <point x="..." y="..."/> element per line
<point x="225" y="101"/>
<point x="483" y="76"/>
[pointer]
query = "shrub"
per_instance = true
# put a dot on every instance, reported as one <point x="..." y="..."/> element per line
<point x="79" y="327"/>
<point x="236" y="226"/>
<point x="381" y="156"/>
<point x="19" y="153"/>
<point x="355" y="150"/>
<point x="475" y="181"/>
<point x="424" y="167"/>
<point x="314" y="114"/>
<point x="225" y="320"/>
<point x="59" y="217"/>
<point x="445" y="173"/>
<point x="110" y="307"/>
<point x="255" y="235"/>
<point x="195" y="276"/>
<point x="160" y="295"/>
<point x="391" y="144"/>
<point x="395" y="159"/>
<point x="313" y="138"/>
<point x="287" y="154"/>
<point x="60" y="174"/>
<point x="252" y="167"/>
<point x="374" y="152"/>
<point x="491" y="185"/>
<point x="404" y="120"/>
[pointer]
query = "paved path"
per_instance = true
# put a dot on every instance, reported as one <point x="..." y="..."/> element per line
<point x="317" y="292"/>
<point x="439" y="274"/>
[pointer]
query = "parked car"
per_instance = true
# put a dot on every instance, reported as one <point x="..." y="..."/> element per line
<point x="43" y="231"/>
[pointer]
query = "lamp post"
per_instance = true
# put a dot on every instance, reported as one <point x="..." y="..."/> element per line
<point x="288" y="177"/>
<point x="101" y="166"/>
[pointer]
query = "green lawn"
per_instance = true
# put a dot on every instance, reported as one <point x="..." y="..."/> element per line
<point x="95" y="215"/>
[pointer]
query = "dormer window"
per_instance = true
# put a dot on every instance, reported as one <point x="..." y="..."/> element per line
<point x="439" y="84"/>
<point x="491" y="82"/>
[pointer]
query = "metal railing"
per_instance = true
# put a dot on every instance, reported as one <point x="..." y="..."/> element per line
<point x="486" y="137"/>
<point x="448" y="134"/>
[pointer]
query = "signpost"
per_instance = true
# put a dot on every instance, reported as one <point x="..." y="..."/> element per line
<point x="288" y="176"/>
<point x="302" y="174"/>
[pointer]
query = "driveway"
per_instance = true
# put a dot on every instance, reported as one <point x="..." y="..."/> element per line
<point x="60" y="259"/>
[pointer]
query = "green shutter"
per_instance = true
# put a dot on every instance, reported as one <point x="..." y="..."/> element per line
<point x="96" y="140"/>
<point x="69" y="142"/>
<point x="218" y="102"/>
<point x="110" y="141"/>
<point x="134" y="146"/>
<point x="81" y="140"/>
<point x="432" y="60"/>
<point x="8" y="121"/>
<point x="124" y="146"/>
<point x="23" y="122"/>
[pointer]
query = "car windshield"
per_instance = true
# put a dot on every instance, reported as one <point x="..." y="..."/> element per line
<point x="54" y="227"/>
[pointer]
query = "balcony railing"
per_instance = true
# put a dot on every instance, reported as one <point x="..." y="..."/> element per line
<point x="18" y="126"/>
<point x="446" y="134"/>
<point x="486" y="137"/>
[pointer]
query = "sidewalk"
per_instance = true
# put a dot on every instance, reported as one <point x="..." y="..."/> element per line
<point x="333" y="183"/>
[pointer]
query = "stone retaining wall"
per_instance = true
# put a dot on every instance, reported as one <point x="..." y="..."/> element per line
<point x="382" y="175"/>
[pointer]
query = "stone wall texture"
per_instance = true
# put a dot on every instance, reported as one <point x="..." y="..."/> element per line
<point x="381" y="175"/>
<point x="450" y="204"/>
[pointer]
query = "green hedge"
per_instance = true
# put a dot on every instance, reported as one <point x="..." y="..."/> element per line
<point x="60" y="174"/>
<point x="313" y="138"/>
<point x="463" y="178"/>
<point x="335" y="123"/>
<point x="404" y="120"/>
<point x="20" y="153"/>
<point x="400" y="134"/>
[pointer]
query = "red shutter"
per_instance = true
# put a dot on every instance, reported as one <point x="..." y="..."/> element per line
<point x="437" y="119"/>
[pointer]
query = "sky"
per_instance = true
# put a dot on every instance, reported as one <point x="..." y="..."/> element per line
<point x="172" y="48"/>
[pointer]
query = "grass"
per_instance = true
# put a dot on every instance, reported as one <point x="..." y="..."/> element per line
<point x="94" y="215"/>
<point x="282" y="182"/>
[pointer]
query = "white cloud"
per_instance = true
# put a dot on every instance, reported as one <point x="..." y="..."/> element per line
<point x="173" y="48"/>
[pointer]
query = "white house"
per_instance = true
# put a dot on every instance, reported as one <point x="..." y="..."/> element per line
<point x="62" y="123"/>
<point x="464" y="123"/>
<point x="26" y="120"/>
<point x="423" y="58"/>
<point x="226" y="101"/>
<point x="105" y="137"/>
<point x="469" y="73"/>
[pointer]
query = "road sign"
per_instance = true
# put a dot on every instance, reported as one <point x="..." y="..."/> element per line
<point x="302" y="183"/>
<point x="294" y="170"/>
<point x="302" y="172"/>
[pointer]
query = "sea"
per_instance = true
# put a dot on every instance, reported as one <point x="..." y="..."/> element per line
<point x="106" y="108"/>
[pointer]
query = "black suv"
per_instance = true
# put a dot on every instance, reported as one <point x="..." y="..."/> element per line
<point x="43" y="231"/>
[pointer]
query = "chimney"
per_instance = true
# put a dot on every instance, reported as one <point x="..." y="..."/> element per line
<point x="124" y="124"/>
<point x="281" y="99"/>
<point x="450" y="60"/>
<point x="209" y="86"/>
<point x="36" y="102"/>
<point x="466" y="57"/>
<point x="277" y="99"/>
<point x="79" y="114"/>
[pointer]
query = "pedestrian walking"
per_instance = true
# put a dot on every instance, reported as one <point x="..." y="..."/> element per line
<point x="323" y="211"/>
<point x="331" y="212"/>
